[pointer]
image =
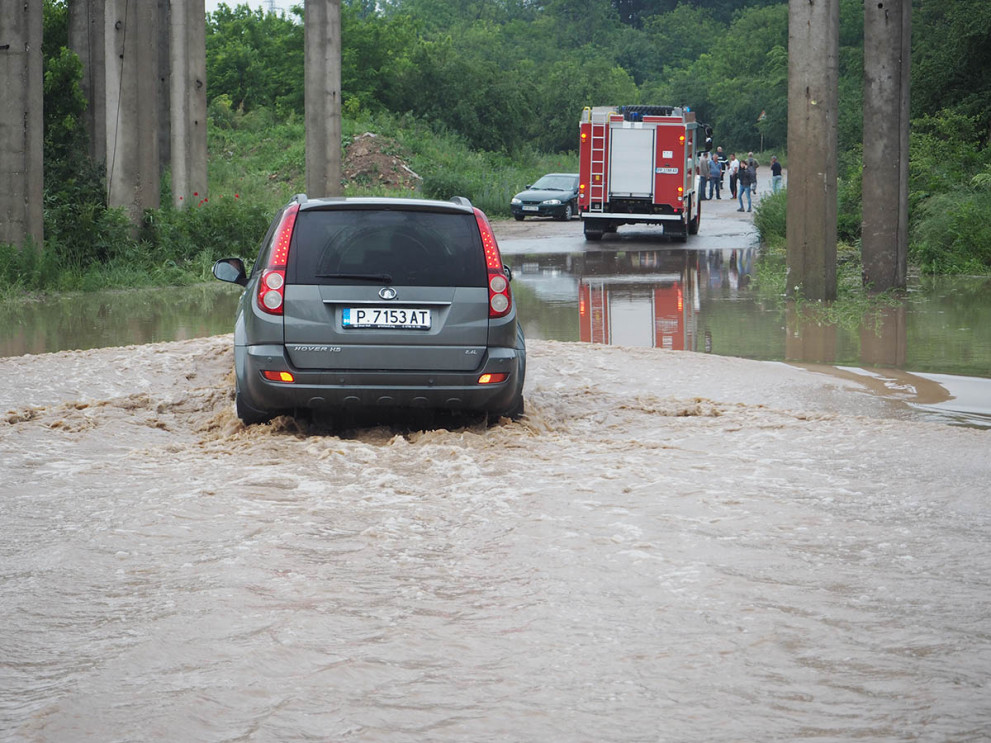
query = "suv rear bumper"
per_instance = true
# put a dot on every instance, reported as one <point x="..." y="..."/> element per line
<point x="343" y="388"/>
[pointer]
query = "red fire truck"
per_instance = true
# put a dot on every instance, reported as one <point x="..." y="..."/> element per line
<point x="637" y="164"/>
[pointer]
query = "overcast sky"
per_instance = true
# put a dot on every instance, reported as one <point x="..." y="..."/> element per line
<point x="211" y="5"/>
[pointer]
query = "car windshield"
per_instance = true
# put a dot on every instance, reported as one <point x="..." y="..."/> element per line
<point x="409" y="248"/>
<point x="555" y="183"/>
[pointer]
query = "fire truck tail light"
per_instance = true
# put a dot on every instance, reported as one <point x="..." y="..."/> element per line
<point x="681" y="139"/>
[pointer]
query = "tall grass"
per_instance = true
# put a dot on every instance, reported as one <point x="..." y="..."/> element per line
<point x="952" y="233"/>
<point x="854" y="304"/>
<point x="256" y="163"/>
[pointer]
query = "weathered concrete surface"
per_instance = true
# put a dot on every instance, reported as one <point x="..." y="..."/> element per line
<point x="813" y="94"/>
<point x="322" y="54"/>
<point x="187" y="54"/>
<point x="21" y="129"/>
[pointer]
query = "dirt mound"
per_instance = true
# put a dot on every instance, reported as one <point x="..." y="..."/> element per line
<point x="370" y="160"/>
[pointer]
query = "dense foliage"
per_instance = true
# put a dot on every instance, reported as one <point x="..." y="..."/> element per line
<point x="482" y="95"/>
<point x="512" y="76"/>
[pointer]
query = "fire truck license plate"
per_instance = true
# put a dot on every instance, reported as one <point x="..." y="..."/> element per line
<point x="669" y="171"/>
<point x="381" y="317"/>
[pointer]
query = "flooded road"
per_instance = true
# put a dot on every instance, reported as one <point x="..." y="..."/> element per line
<point x="634" y="288"/>
<point x="726" y="550"/>
<point x="668" y="547"/>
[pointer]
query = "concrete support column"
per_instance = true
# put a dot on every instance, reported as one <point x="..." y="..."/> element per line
<point x="813" y="94"/>
<point x="164" y="76"/>
<point x="21" y="124"/>
<point x="133" y="179"/>
<point x="322" y="35"/>
<point x="188" y="101"/>
<point x="884" y="233"/>
<point x="87" y="38"/>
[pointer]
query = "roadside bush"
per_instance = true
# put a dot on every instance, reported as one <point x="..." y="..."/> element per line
<point x="444" y="185"/>
<point x="770" y="217"/>
<point x="217" y="227"/>
<point x="944" y="155"/>
<point x="952" y="233"/>
<point x="25" y="269"/>
<point x="849" y="194"/>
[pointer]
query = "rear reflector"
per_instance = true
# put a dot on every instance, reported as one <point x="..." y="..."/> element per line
<point x="279" y="376"/>
<point x="493" y="378"/>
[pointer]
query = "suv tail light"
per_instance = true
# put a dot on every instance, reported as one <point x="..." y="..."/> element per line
<point x="271" y="288"/>
<point x="500" y="296"/>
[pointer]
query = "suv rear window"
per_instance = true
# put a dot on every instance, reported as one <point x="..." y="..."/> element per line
<point x="412" y="248"/>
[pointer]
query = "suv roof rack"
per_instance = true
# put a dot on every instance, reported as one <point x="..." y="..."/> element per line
<point x="460" y="201"/>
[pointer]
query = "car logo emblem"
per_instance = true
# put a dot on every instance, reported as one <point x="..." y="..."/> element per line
<point x="387" y="292"/>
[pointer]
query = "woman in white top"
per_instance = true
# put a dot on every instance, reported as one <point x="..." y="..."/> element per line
<point x="734" y="171"/>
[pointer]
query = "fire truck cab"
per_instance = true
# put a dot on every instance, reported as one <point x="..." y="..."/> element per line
<point x="637" y="164"/>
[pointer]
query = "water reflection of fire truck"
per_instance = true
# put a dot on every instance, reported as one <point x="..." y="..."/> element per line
<point x="641" y="309"/>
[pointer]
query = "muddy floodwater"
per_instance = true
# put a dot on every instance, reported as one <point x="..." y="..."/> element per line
<point x="668" y="547"/>
<point x="733" y="550"/>
<point x="634" y="288"/>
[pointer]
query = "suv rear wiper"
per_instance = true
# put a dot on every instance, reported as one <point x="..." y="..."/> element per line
<point x="380" y="277"/>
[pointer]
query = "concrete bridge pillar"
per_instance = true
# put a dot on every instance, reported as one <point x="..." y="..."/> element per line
<point x="132" y="106"/>
<point x="187" y="97"/>
<point x="322" y="54"/>
<point x="21" y="124"/>
<point x="813" y="96"/>
<point x="884" y="230"/>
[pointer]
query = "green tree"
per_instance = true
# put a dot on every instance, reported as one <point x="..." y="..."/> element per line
<point x="951" y="60"/>
<point x="255" y="58"/>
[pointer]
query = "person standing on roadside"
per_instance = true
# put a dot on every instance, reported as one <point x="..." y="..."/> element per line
<point x="744" y="184"/>
<point x="734" y="169"/>
<point x="703" y="174"/>
<point x="715" y="176"/>
<point x="721" y="157"/>
<point x="752" y="165"/>
<point x="775" y="174"/>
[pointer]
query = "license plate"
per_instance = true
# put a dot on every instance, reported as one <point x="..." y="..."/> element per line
<point x="386" y="317"/>
<point x="531" y="208"/>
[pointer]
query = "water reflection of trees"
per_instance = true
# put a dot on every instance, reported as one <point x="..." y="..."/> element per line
<point x="116" y="318"/>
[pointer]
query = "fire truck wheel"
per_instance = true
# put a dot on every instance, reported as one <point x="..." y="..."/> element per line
<point x="592" y="230"/>
<point x="693" y="226"/>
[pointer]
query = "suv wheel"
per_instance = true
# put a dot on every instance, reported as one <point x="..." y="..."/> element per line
<point x="515" y="409"/>
<point x="249" y="415"/>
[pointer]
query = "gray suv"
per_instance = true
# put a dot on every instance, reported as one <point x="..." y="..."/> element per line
<point x="361" y="303"/>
